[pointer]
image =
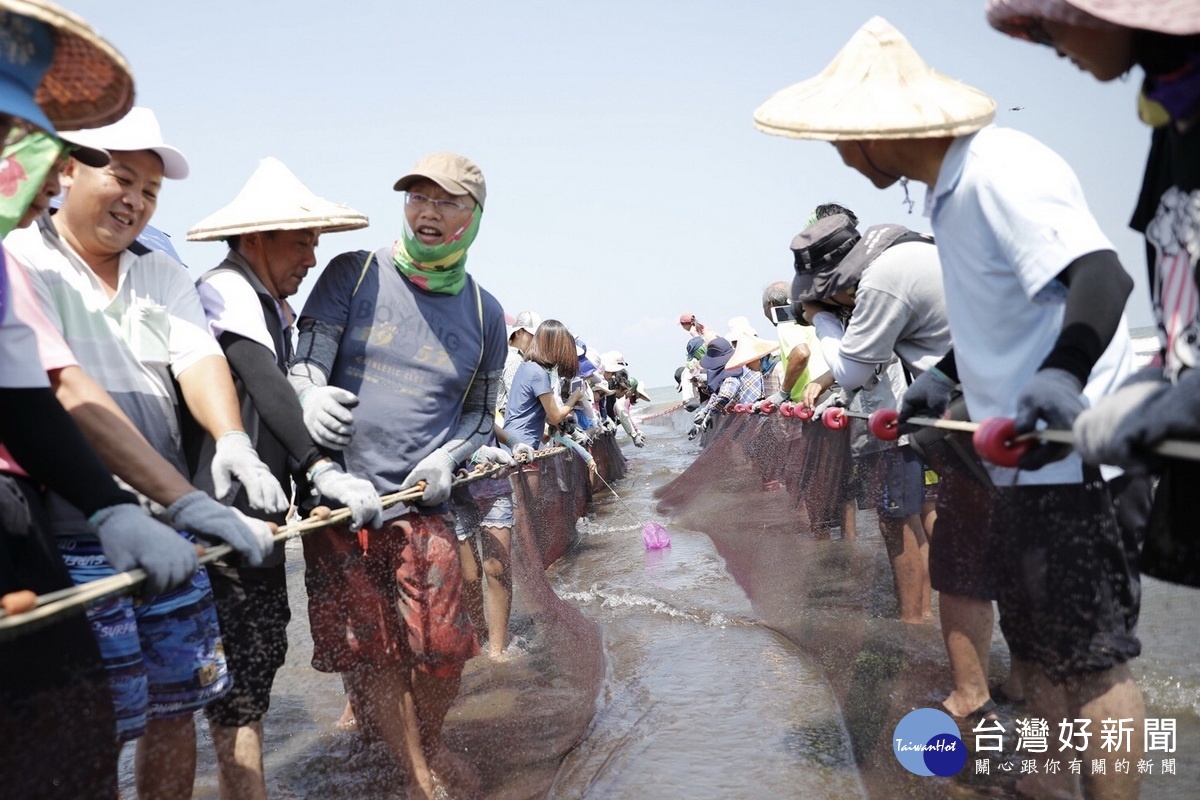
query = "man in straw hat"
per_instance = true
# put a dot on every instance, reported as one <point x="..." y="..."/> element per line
<point x="1108" y="39"/>
<point x="410" y="337"/>
<point x="1035" y="296"/>
<point x="272" y="228"/>
<point x="135" y="322"/>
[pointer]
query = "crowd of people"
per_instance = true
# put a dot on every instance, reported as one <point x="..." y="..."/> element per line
<point x="1014" y="308"/>
<point x="147" y="415"/>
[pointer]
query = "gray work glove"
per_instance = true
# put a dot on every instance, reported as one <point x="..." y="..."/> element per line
<point x="437" y="470"/>
<point x="132" y="538"/>
<point x="327" y="415"/>
<point x="700" y="416"/>
<point x="1054" y="395"/>
<point x="493" y="455"/>
<point x="356" y="494"/>
<point x="639" y="440"/>
<point x="523" y="453"/>
<point x="928" y="396"/>
<point x="1096" y="428"/>
<point x="581" y="436"/>
<point x="206" y="518"/>
<point x="837" y="399"/>
<point x="694" y="431"/>
<point x="235" y="459"/>
<point x="1172" y="411"/>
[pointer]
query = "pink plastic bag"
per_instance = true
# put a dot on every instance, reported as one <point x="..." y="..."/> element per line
<point x="655" y="536"/>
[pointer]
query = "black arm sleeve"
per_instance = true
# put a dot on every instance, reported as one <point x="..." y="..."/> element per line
<point x="48" y="445"/>
<point x="1098" y="287"/>
<point x="273" y="397"/>
<point x="947" y="366"/>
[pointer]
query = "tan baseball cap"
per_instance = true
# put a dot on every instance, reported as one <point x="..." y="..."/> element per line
<point x="454" y="173"/>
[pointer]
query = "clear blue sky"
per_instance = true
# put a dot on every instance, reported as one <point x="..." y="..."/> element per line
<point x="626" y="182"/>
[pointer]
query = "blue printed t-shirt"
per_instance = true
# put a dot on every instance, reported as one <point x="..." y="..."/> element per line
<point x="525" y="417"/>
<point x="410" y="356"/>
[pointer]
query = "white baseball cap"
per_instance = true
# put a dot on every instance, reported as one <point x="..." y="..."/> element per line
<point x="137" y="130"/>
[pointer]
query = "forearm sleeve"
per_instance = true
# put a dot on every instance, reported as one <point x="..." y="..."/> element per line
<point x="316" y="350"/>
<point x="1097" y="288"/>
<point x="475" y="423"/>
<point x="273" y="397"/>
<point x="48" y="445"/>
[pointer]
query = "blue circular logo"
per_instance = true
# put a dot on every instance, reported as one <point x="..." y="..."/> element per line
<point x="926" y="743"/>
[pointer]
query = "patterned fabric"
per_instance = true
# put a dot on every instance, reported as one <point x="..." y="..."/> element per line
<point x="441" y="268"/>
<point x="750" y="390"/>
<point x="24" y="166"/>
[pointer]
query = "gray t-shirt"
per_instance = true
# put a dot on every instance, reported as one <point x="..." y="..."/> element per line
<point x="900" y="308"/>
<point x="410" y="356"/>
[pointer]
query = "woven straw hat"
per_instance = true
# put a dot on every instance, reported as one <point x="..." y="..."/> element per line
<point x="275" y="200"/>
<point x="88" y="83"/>
<point x="750" y="349"/>
<point x="1018" y="17"/>
<point x="876" y="87"/>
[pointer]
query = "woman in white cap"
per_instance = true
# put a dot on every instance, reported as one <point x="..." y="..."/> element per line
<point x="1035" y="297"/>
<point x="272" y="228"/>
<point x="1162" y="37"/>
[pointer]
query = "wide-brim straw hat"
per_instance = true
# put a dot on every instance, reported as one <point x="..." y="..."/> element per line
<point x="275" y="200"/>
<point x="750" y="349"/>
<point x="1175" y="17"/>
<point x="876" y="87"/>
<point x="89" y="83"/>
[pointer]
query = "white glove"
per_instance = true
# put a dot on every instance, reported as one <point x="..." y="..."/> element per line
<point x="132" y="538"/>
<point x="492" y="455"/>
<point x="639" y="440"/>
<point x="206" y="518"/>
<point x="235" y="459"/>
<point x="437" y="470"/>
<point x="356" y="494"/>
<point x="523" y="453"/>
<point x="327" y="415"/>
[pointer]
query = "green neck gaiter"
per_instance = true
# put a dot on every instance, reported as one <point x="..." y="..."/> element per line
<point x="441" y="268"/>
<point x="23" y="169"/>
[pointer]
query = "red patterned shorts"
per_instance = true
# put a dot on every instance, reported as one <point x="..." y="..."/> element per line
<point x="399" y="602"/>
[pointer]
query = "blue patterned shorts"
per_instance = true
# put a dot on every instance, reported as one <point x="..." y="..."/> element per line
<point x="164" y="659"/>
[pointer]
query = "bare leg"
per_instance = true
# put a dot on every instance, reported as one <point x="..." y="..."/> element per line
<point x="497" y="565"/>
<point x="967" y="630"/>
<point x="239" y="761"/>
<point x="928" y="518"/>
<point x="1111" y="694"/>
<point x="901" y="538"/>
<point x="165" y="761"/>
<point x="1048" y="700"/>
<point x="384" y="697"/>
<point x="472" y="591"/>
<point x="849" y="520"/>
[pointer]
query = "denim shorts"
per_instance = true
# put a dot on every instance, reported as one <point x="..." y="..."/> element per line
<point x="471" y="515"/>
<point x="164" y="659"/>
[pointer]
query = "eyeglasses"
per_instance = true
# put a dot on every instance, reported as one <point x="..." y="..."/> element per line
<point x="441" y="206"/>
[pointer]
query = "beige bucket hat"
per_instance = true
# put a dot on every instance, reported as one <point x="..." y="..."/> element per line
<point x="275" y="200"/>
<point x="876" y="87"/>
<point x="87" y="84"/>
<point x="750" y="349"/>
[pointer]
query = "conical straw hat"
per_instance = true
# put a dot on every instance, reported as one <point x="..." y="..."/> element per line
<point x="275" y="200"/>
<point x="88" y="83"/>
<point x="877" y="87"/>
<point x="750" y="349"/>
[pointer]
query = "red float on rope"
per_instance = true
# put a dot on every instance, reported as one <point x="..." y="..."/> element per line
<point x="767" y="407"/>
<point x="882" y="424"/>
<point x="787" y="409"/>
<point x="835" y="418"/>
<point x="803" y="412"/>
<point x="996" y="441"/>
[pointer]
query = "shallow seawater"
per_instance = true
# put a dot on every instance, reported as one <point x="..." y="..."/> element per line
<point x="739" y="662"/>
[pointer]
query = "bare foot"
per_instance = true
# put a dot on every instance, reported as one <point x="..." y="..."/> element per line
<point x="348" y="722"/>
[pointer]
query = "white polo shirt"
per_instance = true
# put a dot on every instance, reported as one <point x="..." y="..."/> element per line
<point x="131" y="343"/>
<point x="1009" y="215"/>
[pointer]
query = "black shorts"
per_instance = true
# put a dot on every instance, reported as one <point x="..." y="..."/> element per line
<point x="1066" y="580"/>
<point x="252" y="607"/>
<point x="902" y="478"/>
<point x="959" y="560"/>
<point x="54" y="694"/>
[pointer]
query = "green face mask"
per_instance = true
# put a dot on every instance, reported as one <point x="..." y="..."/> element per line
<point x="24" y="166"/>
<point x="441" y="268"/>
